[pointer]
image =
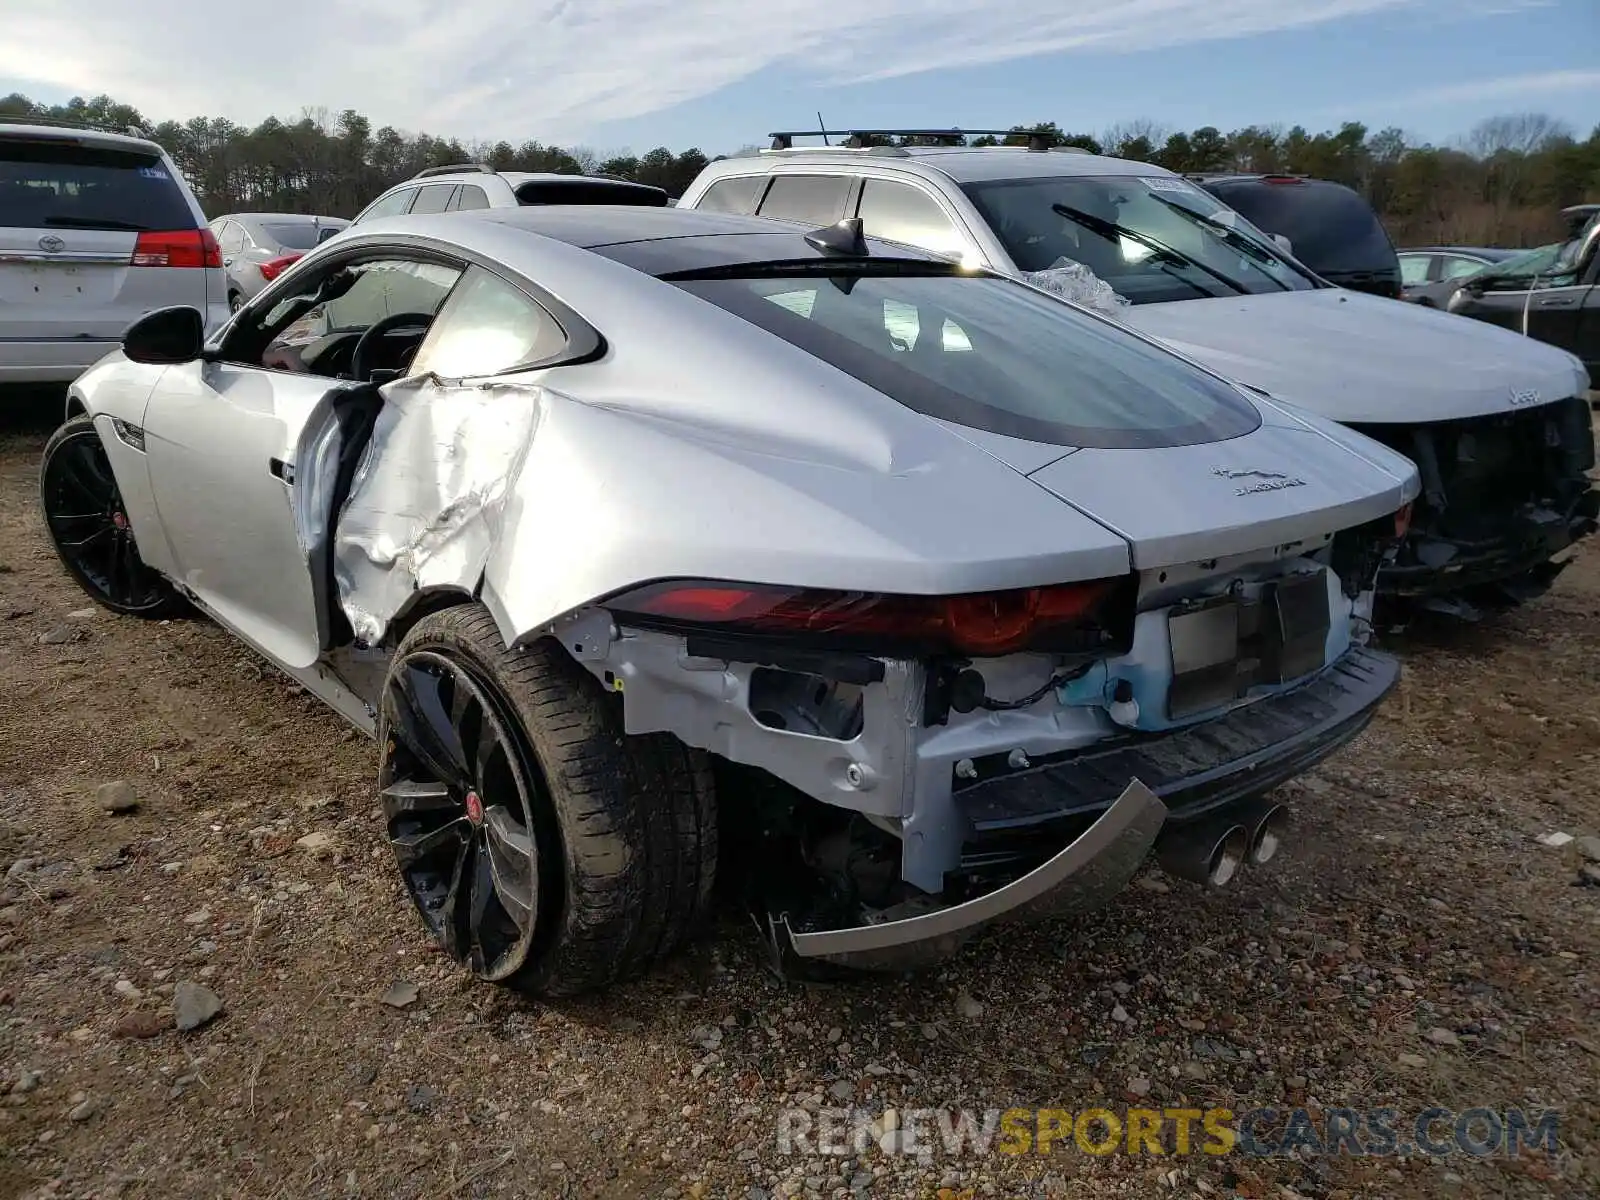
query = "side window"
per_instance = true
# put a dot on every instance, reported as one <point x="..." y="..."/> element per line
<point x="734" y="195"/>
<point x="391" y="205"/>
<point x="376" y="289"/>
<point x="470" y="195"/>
<point x="487" y="326"/>
<point x="231" y="239"/>
<point x="1414" y="268"/>
<point x="434" y="198"/>
<point x="1454" y="267"/>
<point x="904" y="214"/>
<point x="813" y="199"/>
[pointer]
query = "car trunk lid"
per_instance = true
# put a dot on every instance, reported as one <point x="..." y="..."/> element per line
<point x="1182" y="504"/>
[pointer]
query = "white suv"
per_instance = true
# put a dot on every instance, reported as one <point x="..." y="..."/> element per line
<point x="96" y="230"/>
<point x="1498" y="424"/>
<point x="473" y="185"/>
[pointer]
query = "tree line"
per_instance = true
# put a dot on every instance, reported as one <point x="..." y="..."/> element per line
<point x="1504" y="183"/>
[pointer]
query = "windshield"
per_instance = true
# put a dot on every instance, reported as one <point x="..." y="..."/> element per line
<point x="1331" y="228"/>
<point x="989" y="354"/>
<point x="298" y="235"/>
<point x="1152" y="238"/>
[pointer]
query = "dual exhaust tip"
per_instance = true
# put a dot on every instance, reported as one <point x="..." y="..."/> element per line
<point x="1213" y="850"/>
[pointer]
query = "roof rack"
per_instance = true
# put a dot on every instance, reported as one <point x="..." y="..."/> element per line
<point x="138" y="131"/>
<point x="456" y="169"/>
<point x="856" y="139"/>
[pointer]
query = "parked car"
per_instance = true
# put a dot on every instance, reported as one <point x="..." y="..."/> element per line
<point x="97" y="228"/>
<point x="258" y="247"/>
<point x="1551" y="294"/>
<point x="1429" y="275"/>
<point x="1498" y="423"/>
<point x="1328" y="227"/>
<point x="576" y="580"/>
<point x="473" y="185"/>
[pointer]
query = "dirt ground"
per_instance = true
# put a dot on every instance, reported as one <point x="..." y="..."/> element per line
<point x="1414" y="946"/>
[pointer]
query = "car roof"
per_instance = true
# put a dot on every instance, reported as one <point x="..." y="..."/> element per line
<point x="964" y="164"/>
<point x="283" y="218"/>
<point x="82" y="135"/>
<point x="656" y="241"/>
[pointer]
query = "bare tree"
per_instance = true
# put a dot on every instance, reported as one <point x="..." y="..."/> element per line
<point x="1514" y="133"/>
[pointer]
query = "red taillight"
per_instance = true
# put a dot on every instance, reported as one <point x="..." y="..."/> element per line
<point x="1402" y="520"/>
<point x="1281" y="179"/>
<point x="177" y="248"/>
<point x="274" y="267"/>
<point x="978" y="623"/>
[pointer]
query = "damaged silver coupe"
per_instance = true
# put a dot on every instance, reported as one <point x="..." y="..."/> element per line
<point x="632" y="533"/>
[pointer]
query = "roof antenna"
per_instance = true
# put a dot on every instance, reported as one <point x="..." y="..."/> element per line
<point x="822" y="126"/>
<point x="846" y="239"/>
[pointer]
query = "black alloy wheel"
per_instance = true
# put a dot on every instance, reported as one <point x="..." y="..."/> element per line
<point x="89" y="526"/>
<point x="461" y="795"/>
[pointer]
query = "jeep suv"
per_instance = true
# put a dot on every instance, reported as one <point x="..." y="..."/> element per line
<point x="1498" y="424"/>
<point x="97" y="228"/>
<point x="474" y="185"/>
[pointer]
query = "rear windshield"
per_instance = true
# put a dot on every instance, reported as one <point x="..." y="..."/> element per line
<point x="990" y="354"/>
<point x="298" y="236"/>
<point x="1329" y="227"/>
<point x="47" y="184"/>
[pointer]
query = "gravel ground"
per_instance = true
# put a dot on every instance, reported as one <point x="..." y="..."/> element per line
<point x="1414" y="946"/>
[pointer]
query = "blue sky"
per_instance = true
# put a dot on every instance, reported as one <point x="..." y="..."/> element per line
<point x="614" y="74"/>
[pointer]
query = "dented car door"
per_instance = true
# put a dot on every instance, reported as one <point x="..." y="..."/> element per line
<point x="221" y="439"/>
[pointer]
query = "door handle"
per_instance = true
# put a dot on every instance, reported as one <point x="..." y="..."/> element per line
<point x="282" y="470"/>
<point x="1558" y="302"/>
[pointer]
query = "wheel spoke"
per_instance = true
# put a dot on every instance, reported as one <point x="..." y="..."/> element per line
<point x="81" y="543"/>
<point x="423" y="724"/>
<point x="488" y="747"/>
<point x="414" y="845"/>
<point x="82" y="479"/>
<point x="478" y="910"/>
<point x="452" y="924"/>
<point x="512" y="862"/>
<point x="412" y="796"/>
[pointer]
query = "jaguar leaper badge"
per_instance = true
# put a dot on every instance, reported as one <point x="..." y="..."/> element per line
<point x="1271" y="481"/>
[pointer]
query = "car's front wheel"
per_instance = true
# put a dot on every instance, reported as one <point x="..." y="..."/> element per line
<point x="89" y="526"/>
<point x="544" y="849"/>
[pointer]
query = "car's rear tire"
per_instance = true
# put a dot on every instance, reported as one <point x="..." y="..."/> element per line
<point x="234" y="301"/>
<point x="545" y="849"/>
<point x="88" y="525"/>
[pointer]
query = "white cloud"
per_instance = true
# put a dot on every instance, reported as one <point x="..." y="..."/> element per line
<point x="1509" y="87"/>
<point x="561" y="67"/>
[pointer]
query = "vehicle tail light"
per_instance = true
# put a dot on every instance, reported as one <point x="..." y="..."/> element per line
<point x="274" y="267"/>
<point x="1281" y="179"/>
<point x="177" y="248"/>
<point x="1402" y="520"/>
<point x="977" y="623"/>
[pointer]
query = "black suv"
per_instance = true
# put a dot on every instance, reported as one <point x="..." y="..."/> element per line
<point x="1330" y="228"/>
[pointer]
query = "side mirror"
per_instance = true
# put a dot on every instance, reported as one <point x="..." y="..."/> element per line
<point x="326" y="232"/>
<point x="166" y="337"/>
<point x="1283" y="243"/>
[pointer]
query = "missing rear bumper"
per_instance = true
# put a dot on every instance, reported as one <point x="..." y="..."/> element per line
<point x="1085" y="875"/>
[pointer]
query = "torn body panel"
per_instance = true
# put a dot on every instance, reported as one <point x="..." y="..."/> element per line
<point x="424" y="509"/>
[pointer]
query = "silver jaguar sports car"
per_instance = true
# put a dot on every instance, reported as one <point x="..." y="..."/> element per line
<point x="652" y="543"/>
